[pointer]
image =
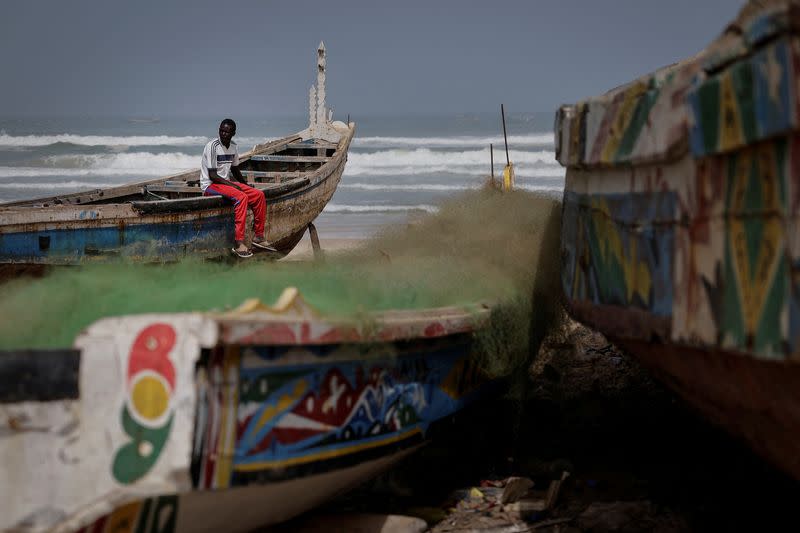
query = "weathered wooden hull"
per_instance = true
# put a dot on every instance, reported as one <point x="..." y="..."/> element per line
<point x="755" y="399"/>
<point x="243" y="508"/>
<point x="680" y="237"/>
<point x="119" y="235"/>
<point x="204" y="422"/>
<point x="156" y="231"/>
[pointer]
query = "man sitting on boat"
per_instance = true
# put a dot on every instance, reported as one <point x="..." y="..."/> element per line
<point x="220" y="162"/>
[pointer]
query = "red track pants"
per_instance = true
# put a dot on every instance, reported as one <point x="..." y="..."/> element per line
<point x="247" y="196"/>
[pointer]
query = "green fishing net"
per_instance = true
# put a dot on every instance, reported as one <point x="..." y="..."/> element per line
<point x="481" y="246"/>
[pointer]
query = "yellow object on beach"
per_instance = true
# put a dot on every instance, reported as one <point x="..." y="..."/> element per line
<point x="289" y="302"/>
<point x="508" y="177"/>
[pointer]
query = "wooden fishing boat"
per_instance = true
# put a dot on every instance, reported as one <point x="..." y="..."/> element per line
<point x="680" y="234"/>
<point x="169" y="218"/>
<point x="223" y="422"/>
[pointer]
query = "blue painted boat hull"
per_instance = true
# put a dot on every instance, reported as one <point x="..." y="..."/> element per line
<point x="145" y="242"/>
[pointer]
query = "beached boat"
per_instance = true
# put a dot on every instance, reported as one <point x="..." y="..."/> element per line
<point x="223" y="422"/>
<point x="169" y="218"/>
<point x="680" y="234"/>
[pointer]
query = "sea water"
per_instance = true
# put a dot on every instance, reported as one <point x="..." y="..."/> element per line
<point x="398" y="166"/>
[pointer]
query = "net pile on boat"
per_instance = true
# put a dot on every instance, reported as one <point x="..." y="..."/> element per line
<point x="481" y="246"/>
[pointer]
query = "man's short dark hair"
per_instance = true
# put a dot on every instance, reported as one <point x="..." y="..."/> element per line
<point x="229" y="122"/>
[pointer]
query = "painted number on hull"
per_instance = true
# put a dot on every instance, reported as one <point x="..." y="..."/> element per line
<point x="147" y="413"/>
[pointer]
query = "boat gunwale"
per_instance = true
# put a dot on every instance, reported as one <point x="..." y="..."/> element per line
<point x="125" y="212"/>
<point x="188" y="175"/>
<point x="256" y="328"/>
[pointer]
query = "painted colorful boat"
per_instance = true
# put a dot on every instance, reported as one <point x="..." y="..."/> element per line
<point x="169" y="218"/>
<point x="223" y="422"/>
<point x="680" y="234"/>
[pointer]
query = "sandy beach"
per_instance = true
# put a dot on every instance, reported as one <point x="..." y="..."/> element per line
<point x="330" y="247"/>
<point x="342" y="233"/>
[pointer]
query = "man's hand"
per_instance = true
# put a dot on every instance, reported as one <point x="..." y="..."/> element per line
<point x="216" y="178"/>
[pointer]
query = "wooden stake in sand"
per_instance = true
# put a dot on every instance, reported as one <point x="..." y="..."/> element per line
<point x="508" y="172"/>
<point x="491" y="159"/>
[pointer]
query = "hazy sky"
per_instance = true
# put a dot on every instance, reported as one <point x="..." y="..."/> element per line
<point x="199" y="57"/>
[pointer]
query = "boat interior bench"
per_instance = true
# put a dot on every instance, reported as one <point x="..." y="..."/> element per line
<point x="198" y="201"/>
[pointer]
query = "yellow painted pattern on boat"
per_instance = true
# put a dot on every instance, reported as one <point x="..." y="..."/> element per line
<point x="123" y="519"/>
<point x="621" y="120"/>
<point x="283" y="403"/>
<point x="263" y="465"/>
<point x="731" y="135"/>
<point x="636" y="274"/>
<point x="465" y="377"/>
<point x="226" y="445"/>
<point x="754" y="284"/>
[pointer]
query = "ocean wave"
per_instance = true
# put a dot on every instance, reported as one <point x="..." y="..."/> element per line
<point x="436" y="187"/>
<point x="39" y="172"/>
<point x="538" y="187"/>
<point x="407" y="187"/>
<point x="121" y="164"/>
<point x="426" y="161"/>
<point x="100" y="140"/>
<point x="523" y="171"/>
<point x="394" y="162"/>
<point x="541" y="139"/>
<point x="343" y="208"/>
<point x="457" y="170"/>
<point x="245" y="143"/>
<point x="147" y="162"/>
<point x="58" y="185"/>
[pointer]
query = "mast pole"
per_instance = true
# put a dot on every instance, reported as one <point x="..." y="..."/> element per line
<point x="491" y="158"/>
<point x="322" y="113"/>
<point x="505" y="137"/>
